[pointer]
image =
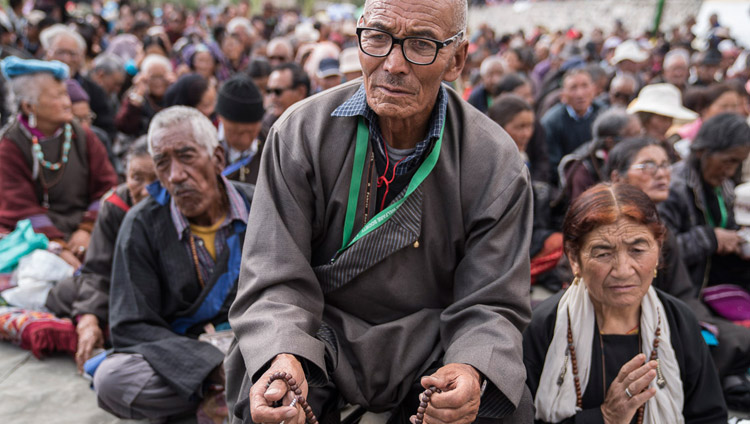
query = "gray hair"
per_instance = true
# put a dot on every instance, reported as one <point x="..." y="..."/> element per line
<point x="460" y="13"/>
<point x="153" y="60"/>
<point x="610" y="123"/>
<point x="50" y="35"/>
<point x="673" y="55"/>
<point x="281" y="41"/>
<point x="27" y="89"/>
<point x="487" y="63"/>
<point x="240" y="22"/>
<point x="204" y="132"/>
<point x="108" y="64"/>
<point x="622" y="78"/>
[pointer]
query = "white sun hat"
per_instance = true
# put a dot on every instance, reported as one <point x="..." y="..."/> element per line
<point x="662" y="99"/>
<point x="629" y="50"/>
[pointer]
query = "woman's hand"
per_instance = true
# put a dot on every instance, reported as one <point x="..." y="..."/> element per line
<point x="90" y="337"/>
<point x="727" y="241"/>
<point x="618" y="407"/>
<point x="262" y="399"/>
<point x="459" y="401"/>
<point x="78" y="243"/>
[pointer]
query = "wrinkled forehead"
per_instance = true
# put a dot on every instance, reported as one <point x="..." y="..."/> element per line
<point x="428" y="18"/>
<point x="172" y="138"/>
<point x="623" y="232"/>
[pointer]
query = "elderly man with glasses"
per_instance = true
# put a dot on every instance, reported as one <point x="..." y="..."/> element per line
<point x="389" y="248"/>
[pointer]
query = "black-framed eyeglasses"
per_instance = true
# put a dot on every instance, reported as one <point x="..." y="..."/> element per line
<point x="652" y="168"/>
<point x="277" y="91"/>
<point x="417" y="50"/>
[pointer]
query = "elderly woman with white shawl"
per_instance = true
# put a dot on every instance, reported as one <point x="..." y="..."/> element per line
<point x="611" y="348"/>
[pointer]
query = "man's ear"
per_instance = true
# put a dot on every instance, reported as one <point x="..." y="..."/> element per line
<point x="218" y="159"/>
<point x="457" y="62"/>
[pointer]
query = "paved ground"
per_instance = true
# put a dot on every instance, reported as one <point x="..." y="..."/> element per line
<point x="48" y="391"/>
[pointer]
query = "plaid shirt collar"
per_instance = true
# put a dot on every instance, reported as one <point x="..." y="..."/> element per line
<point x="237" y="210"/>
<point x="357" y="106"/>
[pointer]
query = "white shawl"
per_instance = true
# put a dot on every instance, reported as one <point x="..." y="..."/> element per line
<point x="556" y="402"/>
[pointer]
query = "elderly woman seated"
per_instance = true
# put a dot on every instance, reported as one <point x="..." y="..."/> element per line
<point x="52" y="170"/>
<point x="700" y="205"/>
<point x="643" y="163"/>
<point x="611" y="348"/>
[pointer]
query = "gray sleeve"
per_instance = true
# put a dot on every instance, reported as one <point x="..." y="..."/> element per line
<point x="483" y="327"/>
<point x="279" y="303"/>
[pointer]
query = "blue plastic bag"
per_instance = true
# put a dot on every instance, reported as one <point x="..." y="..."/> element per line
<point x="22" y="241"/>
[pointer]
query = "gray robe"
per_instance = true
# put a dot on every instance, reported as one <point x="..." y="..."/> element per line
<point x="391" y="306"/>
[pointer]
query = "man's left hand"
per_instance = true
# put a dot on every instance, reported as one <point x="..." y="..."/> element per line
<point x="459" y="400"/>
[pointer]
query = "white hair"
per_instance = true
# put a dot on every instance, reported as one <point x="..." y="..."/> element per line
<point x="50" y="35"/>
<point x="108" y="63"/>
<point x="280" y="41"/>
<point x="204" y="132"/>
<point x="623" y="78"/>
<point x="240" y="22"/>
<point x="673" y="55"/>
<point x="27" y="89"/>
<point x="487" y="64"/>
<point x="153" y="60"/>
<point x="460" y="13"/>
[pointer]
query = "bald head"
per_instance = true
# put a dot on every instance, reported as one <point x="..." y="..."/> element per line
<point x="460" y="11"/>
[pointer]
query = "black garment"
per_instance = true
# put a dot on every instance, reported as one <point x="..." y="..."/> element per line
<point x="246" y="173"/>
<point x="154" y="282"/>
<point x="536" y="150"/>
<point x="565" y="134"/>
<point x="703" y="400"/>
<point x="480" y="98"/>
<point x="99" y="103"/>
<point x="544" y="224"/>
<point x="88" y="292"/>
<point x="685" y="213"/>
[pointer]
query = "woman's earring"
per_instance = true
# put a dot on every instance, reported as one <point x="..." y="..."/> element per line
<point x="32" y="120"/>
<point x="656" y="272"/>
<point x="577" y="279"/>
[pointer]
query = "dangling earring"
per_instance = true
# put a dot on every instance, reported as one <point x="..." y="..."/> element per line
<point x="656" y="272"/>
<point x="577" y="279"/>
<point x="32" y="120"/>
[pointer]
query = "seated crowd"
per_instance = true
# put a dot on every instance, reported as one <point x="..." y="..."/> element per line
<point x="131" y="150"/>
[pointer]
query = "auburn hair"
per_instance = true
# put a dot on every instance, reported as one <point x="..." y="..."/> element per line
<point x="604" y="204"/>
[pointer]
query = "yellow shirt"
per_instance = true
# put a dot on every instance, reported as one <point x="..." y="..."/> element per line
<point x="208" y="235"/>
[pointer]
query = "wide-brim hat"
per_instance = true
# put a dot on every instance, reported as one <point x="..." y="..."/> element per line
<point x="629" y="50"/>
<point x="742" y="204"/>
<point x="349" y="60"/>
<point x="662" y="99"/>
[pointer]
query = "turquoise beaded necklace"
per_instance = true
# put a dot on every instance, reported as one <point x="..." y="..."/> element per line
<point x="37" y="149"/>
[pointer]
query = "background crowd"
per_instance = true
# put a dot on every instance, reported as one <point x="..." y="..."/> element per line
<point x="663" y="111"/>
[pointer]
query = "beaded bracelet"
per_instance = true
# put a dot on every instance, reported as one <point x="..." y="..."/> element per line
<point x="424" y="401"/>
<point x="298" y="399"/>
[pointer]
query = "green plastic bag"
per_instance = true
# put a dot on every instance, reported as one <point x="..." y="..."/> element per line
<point x="22" y="241"/>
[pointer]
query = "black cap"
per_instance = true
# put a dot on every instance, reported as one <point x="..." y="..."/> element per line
<point x="240" y="100"/>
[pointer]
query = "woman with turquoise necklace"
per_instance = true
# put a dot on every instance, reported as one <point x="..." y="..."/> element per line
<point x="52" y="170"/>
<point x="700" y="205"/>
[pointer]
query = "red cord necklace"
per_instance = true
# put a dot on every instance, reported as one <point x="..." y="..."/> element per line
<point x="382" y="179"/>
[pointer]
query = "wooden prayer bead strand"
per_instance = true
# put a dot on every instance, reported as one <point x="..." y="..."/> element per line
<point x="574" y="365"/>
<point x="291" y="383"/>
<point x="423" y="402"/>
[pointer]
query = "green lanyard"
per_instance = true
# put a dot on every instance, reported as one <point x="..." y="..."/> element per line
<point x="489" y="101"/>
<point x="722" y="209"/>
<point x="360" y="153"/>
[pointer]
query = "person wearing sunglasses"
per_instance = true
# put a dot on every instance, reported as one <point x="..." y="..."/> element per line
<point x="389" y="250"/>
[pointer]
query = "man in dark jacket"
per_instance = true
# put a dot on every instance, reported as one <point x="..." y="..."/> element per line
<point x="174" y="276"/>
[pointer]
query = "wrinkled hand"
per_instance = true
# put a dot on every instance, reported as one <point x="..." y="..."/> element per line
<point x="262" y="399"/>
<point x="459" y="400"/>
<point x="727" y="241"/>
<point x="70" y="258"/>
<point x="78" y="243"/>
<point x="635" y="376"/>
<point x="90" y="337"/>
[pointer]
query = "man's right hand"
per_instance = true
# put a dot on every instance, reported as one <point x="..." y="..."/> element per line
<point x="90" y="337"/>
<point x="262" y="399"/>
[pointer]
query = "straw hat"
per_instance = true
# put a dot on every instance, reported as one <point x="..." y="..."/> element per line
<point x="629" y="50"/>
<point x="662" y="99"/>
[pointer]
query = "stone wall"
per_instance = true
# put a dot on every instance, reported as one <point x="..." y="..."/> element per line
<point x="584" y="15"/>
